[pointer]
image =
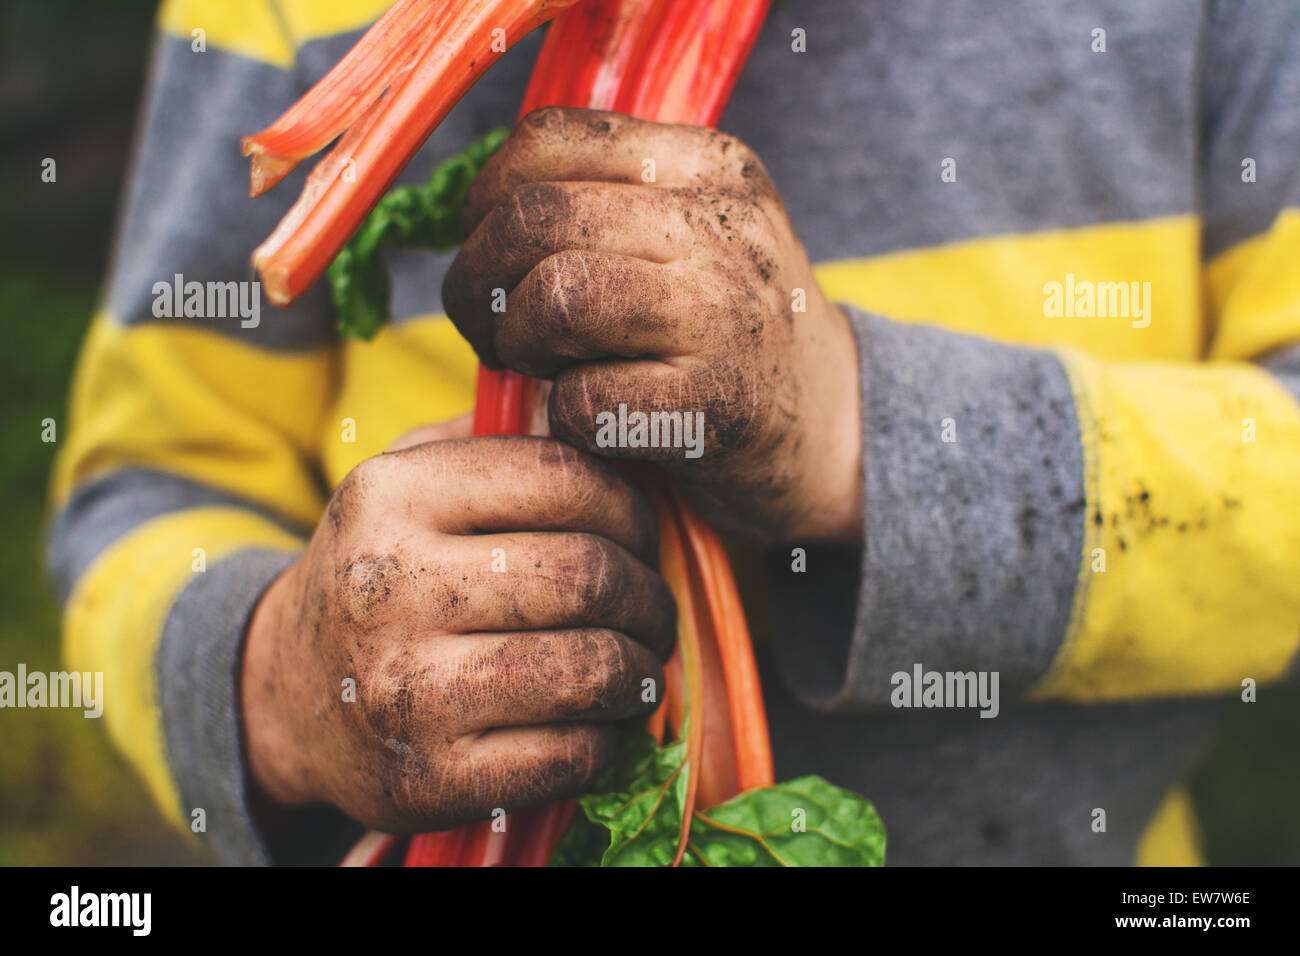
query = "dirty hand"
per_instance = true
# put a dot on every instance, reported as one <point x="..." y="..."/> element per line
<point x="653" y="267"/>
<point x="493" y="602"/>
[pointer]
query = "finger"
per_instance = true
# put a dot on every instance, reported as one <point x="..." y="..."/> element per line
<point x="557" y="144"/>
<point x="515" y="767"/>
<point x="541" y="219"/>
<point x="461" y="426"/>
<point x="540" y="677"/>
<point x="650" y="411"/>
<point x="512" y="582"/>
<point x="576" y="306"/>
<point x="516" y="483"/>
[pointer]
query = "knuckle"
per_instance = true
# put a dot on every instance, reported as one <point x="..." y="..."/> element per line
<point x="543" y="313"/>
<point x="746" y="160"/>
<point x="732" y="146"/>
<point x="573" y="562"/>
<point x="749" y="170"/>
<point x="560" y="125"/>
<point x="572" y="406"/>
<point x="353" y="494"/>
<point x="588" y="577"/>
<point x="371" y="478"/>
<point x="479" y="679"/>
<point x="379" y="699"/>
<point x="558" y="290"/>
<point x="606" y="577"/>
<point x="596" y="573"/>
<point x="552" y="215"/>
<point x="511" y="233"/>
<point x="732" y="153"/>
<point x="366" y="585"/>
<point x="576" y="760"/>
<point x="504" y="228"/>
<point x="532" y="206"/>
<point x="570" y="469"/>
<point x="387" y="697"/>
<point x="612" y="667"/>
<point x="570" y="474"/>
<point x="540" y="119"/>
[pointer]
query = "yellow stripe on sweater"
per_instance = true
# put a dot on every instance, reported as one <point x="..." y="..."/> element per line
<point x="412" y="374"/>
<point x="994" y="286"/>
<point x="313" y="19"/>
<point x="1253" y="291"/>
<point x="1190" y="580"/>
<point x="1172" y="838"/>
<point x="200" y="405"/>
<point x="249" y="28"/>
<point x="115" y="617"/>
<point x="266" y="30"/>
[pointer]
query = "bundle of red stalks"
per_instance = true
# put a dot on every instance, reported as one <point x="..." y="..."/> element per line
<point x="664" y="60"/>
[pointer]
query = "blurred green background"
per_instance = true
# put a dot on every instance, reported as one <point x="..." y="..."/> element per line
<point x="71" y="72"/>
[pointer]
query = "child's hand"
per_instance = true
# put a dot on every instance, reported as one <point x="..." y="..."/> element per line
<point x="688" y="294"/>
<point x="493" y="600"/>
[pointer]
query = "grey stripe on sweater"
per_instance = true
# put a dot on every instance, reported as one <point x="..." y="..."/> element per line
<point x="198" y="660"/>
<point x="101" y="512"/>
<point x="972" y="544"/>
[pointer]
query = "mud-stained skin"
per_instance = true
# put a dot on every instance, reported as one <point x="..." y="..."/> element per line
<point x="687" y="294"/>
<point x="475" y="688"/>
<point x="365" y="583"/>
<point x="478" y="688"/>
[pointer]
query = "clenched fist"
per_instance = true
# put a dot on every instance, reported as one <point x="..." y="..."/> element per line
<point x="492" y="600"/>
<point x="650" y="270"/>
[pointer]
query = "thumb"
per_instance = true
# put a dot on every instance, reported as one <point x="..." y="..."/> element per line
<point x="460" y="427"/>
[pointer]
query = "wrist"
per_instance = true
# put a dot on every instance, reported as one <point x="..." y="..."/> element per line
<point x="271" y="751"/>
<point x="832" y="465"/>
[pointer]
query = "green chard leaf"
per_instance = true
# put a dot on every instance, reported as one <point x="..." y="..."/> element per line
<point x="426" y="217"/>
<point x="634" y="820"/>
<point x="802" y="822"/>
<point x="637" y="807"/>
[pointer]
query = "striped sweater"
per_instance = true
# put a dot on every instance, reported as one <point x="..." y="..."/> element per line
<point x="1067" y="236"/>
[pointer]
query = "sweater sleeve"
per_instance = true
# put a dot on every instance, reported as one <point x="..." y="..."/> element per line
<point x="1090" y="529"/>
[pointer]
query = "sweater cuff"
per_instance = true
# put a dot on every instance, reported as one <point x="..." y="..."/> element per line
<point x="973" y="523"/>
<point x="198" y="662"/>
